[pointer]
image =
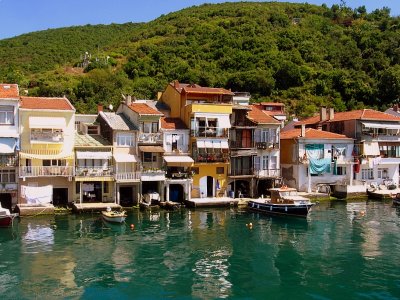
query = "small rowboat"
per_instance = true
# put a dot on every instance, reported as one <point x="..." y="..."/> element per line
<point x="114" y="216"/>
<point x="6" y="218"/>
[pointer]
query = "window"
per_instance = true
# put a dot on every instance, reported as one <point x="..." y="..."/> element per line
<point x="383" y="173"/>
<point x="7" y="176"/>
<point x="150" y="127"/>
<point x="174" y="142"/>
<point x="149" y="157"/>
<point x="125" y="140"/>
<point x="195" y="170"/>
<point x="105" y="187"/>
<point x="264" y="135"/>
<point x="54" y="162"/>
<point x="220" y="170"/>
<point x="340" y="171"/>
<point x="6" y="114"/>
<point x="265" y="162"/>
<point x="367" y="174"/>
<point x="77" y="187"/>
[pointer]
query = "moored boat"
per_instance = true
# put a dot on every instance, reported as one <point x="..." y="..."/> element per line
<point x="283" y="201"/>
<point x="6" y="218"/>
<point x="382" y="191"/>
<point x="114" y="216"/>
<point x="396" y="199"/>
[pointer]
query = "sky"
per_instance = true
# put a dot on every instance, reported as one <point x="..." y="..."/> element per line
<point x="24" y="16"/>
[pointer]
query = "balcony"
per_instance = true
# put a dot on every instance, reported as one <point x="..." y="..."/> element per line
<point x="150" y="138"/>
<point x="127" y="176"/>
<point x="152" y="174"/>
<point x="8" y="161"/>
<point x="47" y="137"/>
<point x="211" y="158"/>
<point x="179" y="175"/>
<point x="241" y="144"/>
<point x="209" y="132"/>
<point x="46" y="171"/>
<point x="243" y="123"/>
<point x="101" y="171"/>
<point x="242" y="172"/>
<point x="267" y="145"/>
<point x="268" y="173"/>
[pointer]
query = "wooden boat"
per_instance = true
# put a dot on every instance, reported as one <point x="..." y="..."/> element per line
<point x="382" y="191"/>
<point x="283" y="201"/>
<point x="6" y="218"/>
<point x="114" y="216"/>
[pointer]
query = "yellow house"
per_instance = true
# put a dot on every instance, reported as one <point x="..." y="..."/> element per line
<point x="206" y="112"/>
<point x="46" y="164"/>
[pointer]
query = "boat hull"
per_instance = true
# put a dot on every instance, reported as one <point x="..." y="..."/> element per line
<point x="396" y="202"/>
<point x="300" y="210"/>
<point x="113" y="217"/>
<point x="7" y="221"/>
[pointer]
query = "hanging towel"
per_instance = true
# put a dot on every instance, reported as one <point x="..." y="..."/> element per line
<point x="319" y="166"/>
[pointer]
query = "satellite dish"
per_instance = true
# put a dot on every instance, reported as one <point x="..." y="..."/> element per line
<point x="111" y="107"/>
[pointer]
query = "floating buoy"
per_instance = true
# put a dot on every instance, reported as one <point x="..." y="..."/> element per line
<point x="132" y="226"/>
<point x="362" y="213"/>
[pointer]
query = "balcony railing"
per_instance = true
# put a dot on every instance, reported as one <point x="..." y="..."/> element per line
<point x="127" y="176"/>
<point x="8" y="161"/>
<point x="151" y="138"/>
<point x="209" y="132"/>
<point x="267" y="145"/>
<point x="268" y="173"/>
<point x="94" y="171"/>
<point x="47" y="137"/>
<point x="211" y="158"/>
<point x="241" y="144"/>
<point x="46" y="171"/>
<point x="243" y="123"/>
<point x="178" y="175"/>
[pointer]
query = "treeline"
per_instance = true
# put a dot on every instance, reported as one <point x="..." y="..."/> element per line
<point x="300" y="54"/>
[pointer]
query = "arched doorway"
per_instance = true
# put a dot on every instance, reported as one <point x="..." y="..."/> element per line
<point x="207" y="186"/>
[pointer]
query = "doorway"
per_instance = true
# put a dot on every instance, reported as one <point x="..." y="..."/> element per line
<point x="60" y="196"/>
<point x="6" y="200"/>
<point x="126" y="196"/>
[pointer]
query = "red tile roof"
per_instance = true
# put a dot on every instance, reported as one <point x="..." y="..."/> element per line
<point x="260" y="116"/>
<point x="144" y="109"/>
<point x="272" y="104"/>
<point x="45" y="103"/>
<point x="9" y="90"/>
<point x="197" y="89"/>
<point x="172" y="123"/>
<point x="311" y="134"/>
<point x="362" y="114"/>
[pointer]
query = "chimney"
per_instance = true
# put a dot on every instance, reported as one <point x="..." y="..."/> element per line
<point x="322" y="114"/>
<point x="396" y="107"/>
<point x="99" y="108"/>
<point x="176" y="84"/>
<point x="303" y="130"/>
<point x="128" y="100"/>
<point x="331" y="113"/>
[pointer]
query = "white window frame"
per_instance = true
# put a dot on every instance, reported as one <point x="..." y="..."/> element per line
<point x="265" y="162"/>
<point x="125" y="140"/>
<point x="6" y="115"/>
<point x="367" y="174"/>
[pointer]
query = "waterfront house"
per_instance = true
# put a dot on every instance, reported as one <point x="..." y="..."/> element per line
<point x="94" y="170"/>
<point x="314" y="160"/>
<point x="46" y="156"/>
<point x="178" y="181"/>
<point x="266" y="162"/>
<point x="206" y="112"/>
<point x="122" y="134"/>
<point x="377" y="141"/>
<point x="150" y="145"/>
<point x="274" y="109"/>
<point x="9" y="144"/>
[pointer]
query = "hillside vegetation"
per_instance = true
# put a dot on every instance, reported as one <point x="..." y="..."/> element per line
<point x="300" y="54"/>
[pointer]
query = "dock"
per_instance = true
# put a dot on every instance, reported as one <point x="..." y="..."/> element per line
<point x="94" y="207"/>
<point x="212" y="202"/>
<point x="34" y="209"/>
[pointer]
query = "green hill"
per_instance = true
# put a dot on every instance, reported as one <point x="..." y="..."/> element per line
<point x="300" y="54"/>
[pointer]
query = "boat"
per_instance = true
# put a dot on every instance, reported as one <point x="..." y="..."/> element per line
<point x="6" y="218"/>
<point x="382" y="191"/>
<point x="396" y="199"/>
<point x="283" y="201"/>
<point x="114" y="216"/>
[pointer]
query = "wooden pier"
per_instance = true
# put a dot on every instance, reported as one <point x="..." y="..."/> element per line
<point x="94" y="207"/>
<point x="212" y="202"/>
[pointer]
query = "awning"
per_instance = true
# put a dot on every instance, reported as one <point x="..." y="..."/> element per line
<point x="224" y="145"/>
<point x="93" y="155"/>
<point x="7" y="145"/>
<point x="200" y="144"/>
<point x="47" y="122"/>
<point x="178" y="160"/>
<point x="46" y="156"/>
<point x="124" y="157"/>
<point x="208" y="144"/>
<point x="381" y="125"/>
<point x="158" y="149"/>
<point x="371" y="148"/>
<point x="224" y="122"/>
<point x="215" y="144"/>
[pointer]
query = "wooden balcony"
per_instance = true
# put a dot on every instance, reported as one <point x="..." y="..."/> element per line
<point x="127" y="176"/>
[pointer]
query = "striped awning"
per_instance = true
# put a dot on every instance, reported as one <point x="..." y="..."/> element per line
<point x="47" y="122"/>
<point x="46" y="156"/>
<point x="158" y="149"/>
<point x="7" y="145"/>
<point x="93" y="155"/>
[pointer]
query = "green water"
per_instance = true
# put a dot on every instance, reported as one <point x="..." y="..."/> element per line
<point x="337" y="253"/>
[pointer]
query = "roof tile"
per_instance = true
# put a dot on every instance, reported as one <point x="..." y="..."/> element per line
<point x="311" y="134"/>
<point x="144" y="109"/>
<point x="260" y="116"/>
<point x="9" y="90"/>
<point x="172" y="123"/>
<point x="45" y="103"/>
